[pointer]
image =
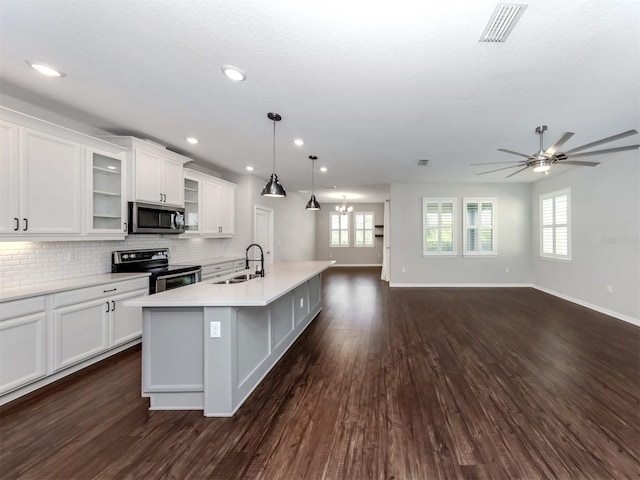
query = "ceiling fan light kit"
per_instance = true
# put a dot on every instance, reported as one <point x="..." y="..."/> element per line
<point x="542" y="160"/>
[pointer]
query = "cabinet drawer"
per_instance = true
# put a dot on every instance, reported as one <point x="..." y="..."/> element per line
<point x="22" y="307"/>
<point x="91" y="293"/>
<point x="218" y="268"/>
<point x="239" y="265"/>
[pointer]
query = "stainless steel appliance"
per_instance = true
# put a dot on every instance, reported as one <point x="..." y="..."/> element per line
<point x="147" y="218"/>
<point x="156" y="261"/>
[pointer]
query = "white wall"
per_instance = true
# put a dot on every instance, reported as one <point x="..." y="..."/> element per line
<point x="349" y="255"/>
<point x="605" y="229"/>
<point x="513" y="230"/>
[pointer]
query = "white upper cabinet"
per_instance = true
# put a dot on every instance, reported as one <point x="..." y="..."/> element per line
<point x="41" y="183"/>
<point x="154" y="173"/>
<point x="106" y="199"/>
<point x="209" y="205"/>
<point x="47" y="189"/>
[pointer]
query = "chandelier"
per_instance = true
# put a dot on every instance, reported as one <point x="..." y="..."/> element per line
<point x="344" y="209"/>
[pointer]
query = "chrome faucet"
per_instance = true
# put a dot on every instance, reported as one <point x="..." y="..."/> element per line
<point x="246" y="259"/>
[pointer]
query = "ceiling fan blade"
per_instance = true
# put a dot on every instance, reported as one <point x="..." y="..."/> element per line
<point x="521" y="170"/>
<point x="558" y="143"/>
<point x="584" y="164"/>
<point x="598" y="152"/>
<point x="498" y="169"/>
<point x="498" y="163"/>
<point x="514" y="153"/>
<point x="628" y="133"/>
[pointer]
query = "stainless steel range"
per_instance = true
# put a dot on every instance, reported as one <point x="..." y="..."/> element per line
<point x="156" y="261"/>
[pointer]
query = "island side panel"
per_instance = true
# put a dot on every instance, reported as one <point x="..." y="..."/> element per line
<point x="265" y="334"/>
<point x="220" y="366"/>
<point x="172" y="358"/>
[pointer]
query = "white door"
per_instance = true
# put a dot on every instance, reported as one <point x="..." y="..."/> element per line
<point x="263" y="231"/>
<point x="148" y="177"/>
<point x="173" y="188"/>
<point x="9" y="179"/>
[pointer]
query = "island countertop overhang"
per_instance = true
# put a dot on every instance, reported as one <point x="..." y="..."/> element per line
<point x="280" y="279"/>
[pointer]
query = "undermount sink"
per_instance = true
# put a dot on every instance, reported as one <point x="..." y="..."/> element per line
<point x="238" y="279"/>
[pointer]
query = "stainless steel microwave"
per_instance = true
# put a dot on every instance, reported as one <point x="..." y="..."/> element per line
<point x="147" y="218"/>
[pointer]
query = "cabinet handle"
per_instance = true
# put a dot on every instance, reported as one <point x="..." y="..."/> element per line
<point x="26" y="224"/>
<point x="125" y="227"/>
<point x="161" y="197"/>
<point x="113" y="305"/>
<point x="111" y="290"/>
<point x="107" y="307"/>
<point x="165" y="197"/>
<point x="17" y="224"/>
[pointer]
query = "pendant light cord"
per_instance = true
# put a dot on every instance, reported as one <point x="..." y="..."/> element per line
<point x="274" y="145"/>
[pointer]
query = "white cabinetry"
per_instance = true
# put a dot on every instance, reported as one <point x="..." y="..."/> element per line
<point x="215" y="209"/>
<point x="22" y="342"/>
<point x="42" y="183"/>
<point x="217" y="270"/>
<point x="88" y="321"/>
<point x="50" y="188"/>
<point x="154" y="173"/>
<point x="107" y="206"/>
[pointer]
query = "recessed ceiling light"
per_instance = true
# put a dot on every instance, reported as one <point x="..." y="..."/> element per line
<point x="193" y="140"/>
<point x="249" y="168"/>
<point x="323" y="169"/>
<point x="233" y="73"/>
<point x="299" y="142"/>
<point x="46" y="70"/>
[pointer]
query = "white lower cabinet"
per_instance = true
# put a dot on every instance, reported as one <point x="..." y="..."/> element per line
<point x="22" y="343"/>
<point x="89" y="321"/>
<point x="46" y="337"/>
<point x="79" y="332"/>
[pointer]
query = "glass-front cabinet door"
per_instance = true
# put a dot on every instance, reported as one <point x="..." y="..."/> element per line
<point x="191" y="204"/>
<point x="107" y="200"/>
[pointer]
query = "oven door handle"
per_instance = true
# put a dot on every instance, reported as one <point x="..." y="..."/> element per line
<point x="183" y="274"/>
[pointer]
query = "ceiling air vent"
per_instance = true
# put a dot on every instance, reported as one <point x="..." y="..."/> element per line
<point x="504" y="18"/>
<point x="423" y="162"/>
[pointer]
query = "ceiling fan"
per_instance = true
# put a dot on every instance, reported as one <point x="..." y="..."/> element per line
<point x="542" y="160"/>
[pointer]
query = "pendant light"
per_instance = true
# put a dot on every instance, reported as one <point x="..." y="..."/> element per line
<point x="313" y="204"/>
<point x="273" y="188"/>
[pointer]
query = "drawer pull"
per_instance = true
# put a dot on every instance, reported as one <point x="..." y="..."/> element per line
<point x="112" y="290"/>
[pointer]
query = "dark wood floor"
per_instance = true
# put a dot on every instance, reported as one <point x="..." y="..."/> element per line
<point x="385" y="384"/>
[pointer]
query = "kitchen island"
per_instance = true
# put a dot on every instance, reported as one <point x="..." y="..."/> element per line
<point x="207" y="346"/>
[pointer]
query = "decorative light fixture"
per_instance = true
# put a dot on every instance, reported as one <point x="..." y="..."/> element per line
<point x="344" y="209"/>
<point x="313" y="204"/>
<point x="273" y="188"/>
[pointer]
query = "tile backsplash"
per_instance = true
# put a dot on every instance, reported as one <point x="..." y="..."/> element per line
<point x="26" y="263"/>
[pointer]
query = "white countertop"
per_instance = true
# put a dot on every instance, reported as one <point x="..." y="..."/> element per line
<point x="280" y="279"/>
<point x="26" y="291"/>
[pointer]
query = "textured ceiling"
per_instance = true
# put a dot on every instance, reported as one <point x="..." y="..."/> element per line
<point x="371" y="86"/>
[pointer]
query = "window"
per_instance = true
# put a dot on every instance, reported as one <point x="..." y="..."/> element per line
<point x="438" y="226"/>
<point x="363" y="223"/>
<point x="555" y="225"/>
<point x="479" y="226"/>
<point x="339" y="230"/>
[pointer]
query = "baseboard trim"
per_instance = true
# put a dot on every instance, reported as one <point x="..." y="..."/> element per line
<point x="356" y="265"/>
<point x="606" y="311"/>
<point x="460" y="285"/>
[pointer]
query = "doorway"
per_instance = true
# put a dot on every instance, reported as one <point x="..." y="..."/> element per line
<point x="263" y="231"/>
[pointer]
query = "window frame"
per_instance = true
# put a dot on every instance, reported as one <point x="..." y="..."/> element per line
<point x="494" y="236"/>
<point x="340" y="230"/>
<point x="364" y="230"/>
<point x="555" y="225"/>
<point x="440" y="201"/>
